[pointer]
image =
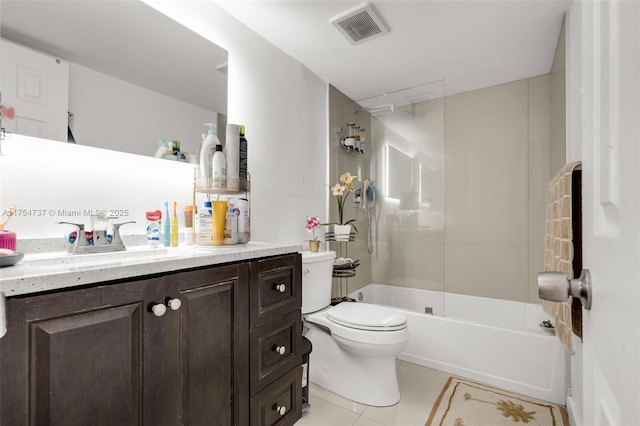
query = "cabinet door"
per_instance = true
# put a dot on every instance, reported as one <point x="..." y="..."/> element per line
<point x="70" y="358"/>
<point x="214" y="345"/>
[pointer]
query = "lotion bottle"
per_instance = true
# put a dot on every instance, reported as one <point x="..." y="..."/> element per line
<point x="219" y="168"/>
<point x="209" y="143"/>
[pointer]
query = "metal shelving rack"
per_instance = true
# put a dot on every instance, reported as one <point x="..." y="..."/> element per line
<point x="342" y="273"/>
<point x="234" y="186"/>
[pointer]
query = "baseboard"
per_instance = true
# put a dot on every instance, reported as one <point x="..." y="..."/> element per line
<point x="575" y="416"/>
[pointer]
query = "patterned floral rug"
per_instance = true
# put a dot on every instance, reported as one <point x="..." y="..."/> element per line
<point x="466" y="403"/>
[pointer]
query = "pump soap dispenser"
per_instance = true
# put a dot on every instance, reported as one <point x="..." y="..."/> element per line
<point x="209" y="143"/>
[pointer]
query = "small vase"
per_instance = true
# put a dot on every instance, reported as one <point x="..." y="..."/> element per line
<point x="341" y="232"/>
<point x="314" y="246"/>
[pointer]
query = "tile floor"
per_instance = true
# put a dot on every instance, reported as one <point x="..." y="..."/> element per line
<point x="419" y="389"/>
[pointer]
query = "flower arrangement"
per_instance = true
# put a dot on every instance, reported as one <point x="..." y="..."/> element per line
<point x="313" y="223"/>
<point x="341" y="191"/>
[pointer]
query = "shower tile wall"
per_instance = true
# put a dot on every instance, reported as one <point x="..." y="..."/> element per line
<point x="491" y="154"/>
<point x="486" y="241"/>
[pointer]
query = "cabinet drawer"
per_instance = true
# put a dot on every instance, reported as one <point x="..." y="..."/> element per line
<point x="275" y="348"/>
<point x="276" y="288"/>
<point x="279" y="403"/>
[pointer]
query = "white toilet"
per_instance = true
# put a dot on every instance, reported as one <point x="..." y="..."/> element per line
<point x="354" y="344"/>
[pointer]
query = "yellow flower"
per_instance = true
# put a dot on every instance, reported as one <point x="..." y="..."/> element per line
<point x="337" y="189"/>
<point x="341" y="192"/>
<point x="347" y="178"/>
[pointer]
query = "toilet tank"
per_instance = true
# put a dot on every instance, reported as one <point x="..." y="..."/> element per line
<point x="317" y="271"/>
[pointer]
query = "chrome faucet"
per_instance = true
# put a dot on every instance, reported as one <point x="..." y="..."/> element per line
<point x="98" y="240"/>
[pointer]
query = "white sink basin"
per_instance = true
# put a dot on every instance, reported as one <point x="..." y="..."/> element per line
<point x="64" y="259"/>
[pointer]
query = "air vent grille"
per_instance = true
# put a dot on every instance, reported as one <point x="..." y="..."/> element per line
<point x="359" y="24"/>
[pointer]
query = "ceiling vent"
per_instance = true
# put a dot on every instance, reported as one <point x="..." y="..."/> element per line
<point x="359" y="24"/>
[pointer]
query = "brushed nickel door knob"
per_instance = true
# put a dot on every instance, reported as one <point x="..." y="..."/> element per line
<point x="556" y="287"/>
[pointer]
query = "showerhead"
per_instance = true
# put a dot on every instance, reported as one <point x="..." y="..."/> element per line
<point x="401" y="113"/>
<point x="388" y="112"/>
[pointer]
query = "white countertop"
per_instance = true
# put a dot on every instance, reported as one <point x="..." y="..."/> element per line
<point x="59" y="270"/>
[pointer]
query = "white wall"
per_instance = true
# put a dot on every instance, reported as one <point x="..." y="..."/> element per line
<point x="282" y="104"/>
<point x="284" y="108"/>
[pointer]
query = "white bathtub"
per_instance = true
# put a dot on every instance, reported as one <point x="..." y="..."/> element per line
<point x="491" y="341"/>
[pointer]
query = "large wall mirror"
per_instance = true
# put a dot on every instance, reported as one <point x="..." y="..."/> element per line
<point x="134" y="75"/>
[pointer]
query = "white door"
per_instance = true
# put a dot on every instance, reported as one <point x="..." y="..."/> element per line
<point x="37" y="87"/>
<point x="606" y="127"/>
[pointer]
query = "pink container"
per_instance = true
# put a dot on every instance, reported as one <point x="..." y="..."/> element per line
<point x="8" y="240"/>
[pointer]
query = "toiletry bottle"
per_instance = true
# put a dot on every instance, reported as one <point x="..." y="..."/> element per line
<point x="188" y="224"/>
<point x="174" y="226"/>
<point x="209" y="143"/>
<point x="243" y="170"/>
<point x="162" y="147"/>
<point x="232" y="156"/>
<point x="219" y="169"/>
<point x="204" y="231"/>
<point x="166" y="229"/>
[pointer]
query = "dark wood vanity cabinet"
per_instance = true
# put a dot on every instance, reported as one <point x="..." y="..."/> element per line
<point x="129" y="354"/>
<point x="276" y="341"/>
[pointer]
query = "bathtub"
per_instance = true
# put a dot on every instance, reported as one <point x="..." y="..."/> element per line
<point x="491" y="341"/>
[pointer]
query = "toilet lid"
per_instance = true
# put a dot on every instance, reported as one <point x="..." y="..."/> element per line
<point x="365" y="316"/>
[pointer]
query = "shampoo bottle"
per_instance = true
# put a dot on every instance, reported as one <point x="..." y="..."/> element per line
<point x="233" y="156"/>
<point x="243" y="172"/>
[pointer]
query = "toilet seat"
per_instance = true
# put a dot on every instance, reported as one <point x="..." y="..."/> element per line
<point x="342" y="323"/>
<point x="363" y="316"/>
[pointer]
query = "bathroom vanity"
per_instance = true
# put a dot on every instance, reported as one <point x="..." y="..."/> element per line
<point x="217" y="342"/>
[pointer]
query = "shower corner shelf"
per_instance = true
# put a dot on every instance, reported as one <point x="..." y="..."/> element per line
<point x="350" y="148"/>
<point x="342" y="272"/>
<point x="331" y="237"/>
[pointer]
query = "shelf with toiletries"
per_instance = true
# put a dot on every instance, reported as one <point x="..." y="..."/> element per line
<point x="222" y="179"/>
<point x="222" y="212"/>
<point x="209" y="185"/>
<point x="355" y="141"/>
<point x="343" y="267"/>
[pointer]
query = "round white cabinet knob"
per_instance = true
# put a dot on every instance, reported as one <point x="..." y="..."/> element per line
<point x="158" y="309"/>
<point x="281" y="288"/>
<point x="174" y="304"/>
<point x="281" y="350"/>
<point x="281" y="410"/>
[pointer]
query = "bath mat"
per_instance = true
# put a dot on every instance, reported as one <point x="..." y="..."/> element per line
<point x="466" y="403"/>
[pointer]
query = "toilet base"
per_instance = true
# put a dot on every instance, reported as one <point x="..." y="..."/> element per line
<point x="370" y="380"/>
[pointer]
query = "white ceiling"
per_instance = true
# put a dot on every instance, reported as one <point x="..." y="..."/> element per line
<point x="468" y="44"/>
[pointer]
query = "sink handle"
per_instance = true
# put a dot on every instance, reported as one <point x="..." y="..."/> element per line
<point x="81" y="239"/>
<point x="116" y="232"/>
